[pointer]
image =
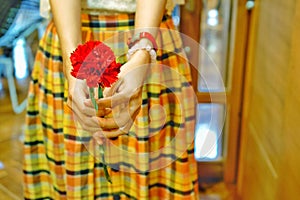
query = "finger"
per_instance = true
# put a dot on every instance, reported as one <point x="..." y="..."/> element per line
<point x="85" y="110"/>
<point x="119" y="98"/>
<point x="136" y="99"/>
<point x="107" y="92"/>
<point x="69" y="103"/>
<point x="88" y="103"/>
<point x="126" y="114"/>
<point x="105" y="102"/>
<point x="74" y="97"/>
<point x="107" y="123"/>
<point x="119" y="118"/>
<point x="113" y="133"/>
<point x="99" y="137"/>
<point x="117" y="132"/>
<point x="117" y="86"/>
<point x="86" y="123"/>
<point x="104" y="112"/>
<point x="101" y="112"/>
<point x="88" y="111"/>
<point x="115" y="120"/>
<point x="135" y="112"/>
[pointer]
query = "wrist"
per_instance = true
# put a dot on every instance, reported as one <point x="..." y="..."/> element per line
<point x="142" y="41"/>
<point x="143" y="37"/>
<point x="67" y="66"/>
<point x="142" y="55"/>
<point x="144" y="46"/>
<point x="138" y="62"/>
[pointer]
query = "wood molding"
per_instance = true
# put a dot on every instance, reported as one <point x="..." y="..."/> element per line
<point x="247" y="93"/>
<point x="191" y="12"/>
<point x="214" y="97"/>
<point x="241" y="22"/>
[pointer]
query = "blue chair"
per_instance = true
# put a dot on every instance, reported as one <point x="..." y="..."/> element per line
<point x="20" y="19"/>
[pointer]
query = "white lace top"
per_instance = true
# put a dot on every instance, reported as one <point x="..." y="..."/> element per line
<point x="125" y="6"/>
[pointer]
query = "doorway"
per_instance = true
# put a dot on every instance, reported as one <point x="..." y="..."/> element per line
<point x="217" y="65"/>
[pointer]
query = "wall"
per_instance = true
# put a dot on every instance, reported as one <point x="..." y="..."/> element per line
<point x="270" y="140"/>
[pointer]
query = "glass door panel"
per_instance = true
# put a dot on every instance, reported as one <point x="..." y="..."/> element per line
<point x="213" y="67"/>
<point x="210" y="121"/>
<point x="214" y="45"/>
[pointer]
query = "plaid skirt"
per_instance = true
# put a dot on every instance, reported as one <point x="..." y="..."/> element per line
<point x="154" y="161"/>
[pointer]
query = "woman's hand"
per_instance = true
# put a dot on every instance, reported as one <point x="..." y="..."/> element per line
<point x="124" y="98"/>
<point x="85" y="116"/>
<point x="77" y="94"/>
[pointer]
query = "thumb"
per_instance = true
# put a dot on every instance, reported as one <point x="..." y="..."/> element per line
<point x="107" y="92"/>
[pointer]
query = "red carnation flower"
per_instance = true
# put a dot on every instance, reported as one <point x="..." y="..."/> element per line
<point x="96" y="63"/>
<point x="110" y="75"/>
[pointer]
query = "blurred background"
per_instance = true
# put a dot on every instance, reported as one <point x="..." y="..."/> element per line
<point x="21" y="26"/>
<point x="244" y="57"/>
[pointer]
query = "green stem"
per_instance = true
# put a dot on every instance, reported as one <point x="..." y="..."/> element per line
<point x="101" y="147"/>
<point x="104" y="164"/>
<point x="100" y="92"/>
<point x="92" y="96"/>
<point x="101" y="151"/>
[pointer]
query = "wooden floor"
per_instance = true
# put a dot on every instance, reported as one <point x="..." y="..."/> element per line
<point x="11" y="132"/>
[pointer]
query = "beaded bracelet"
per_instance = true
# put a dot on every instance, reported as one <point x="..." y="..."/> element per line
<point x="132" y="41"/>
<point x="146" y="47"/>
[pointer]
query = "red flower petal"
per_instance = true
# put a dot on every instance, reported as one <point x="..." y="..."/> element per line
<point x="95" y="62"/>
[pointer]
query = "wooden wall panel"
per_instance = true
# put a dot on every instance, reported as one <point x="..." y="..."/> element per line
<point x="269" y="77"/>
<point x="263" y="184"/>
<point x="290" y="174"/>
<point x="270" y="161"/>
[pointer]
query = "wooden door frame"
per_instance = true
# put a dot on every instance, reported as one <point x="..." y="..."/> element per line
<point x="249" y="55"/>
<point x="191" y="12"/>
<point x="239" y="42"/>
<point x="190" y="26"/>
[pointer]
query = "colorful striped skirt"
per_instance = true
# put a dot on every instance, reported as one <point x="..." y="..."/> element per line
<point x="155" y="160"/>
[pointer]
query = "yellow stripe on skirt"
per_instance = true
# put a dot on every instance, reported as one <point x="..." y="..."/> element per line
<point x="154" y="161"/>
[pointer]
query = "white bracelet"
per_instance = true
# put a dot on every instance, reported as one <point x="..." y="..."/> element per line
<point x="139" y="46"/>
